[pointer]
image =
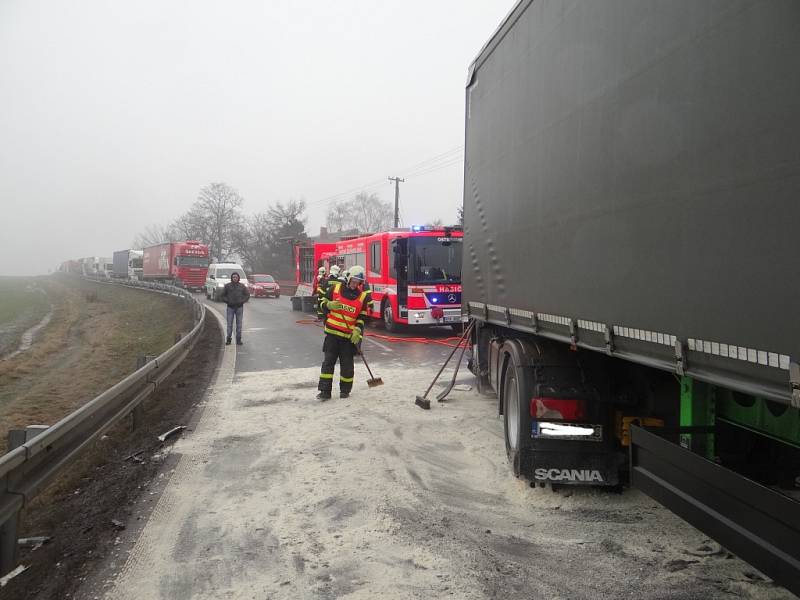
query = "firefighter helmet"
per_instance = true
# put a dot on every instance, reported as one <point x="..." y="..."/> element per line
<point x="356" y="272"/>
<point x="335" y="270"/>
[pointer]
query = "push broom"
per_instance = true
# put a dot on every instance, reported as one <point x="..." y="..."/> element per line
<point x="422" y="401"/>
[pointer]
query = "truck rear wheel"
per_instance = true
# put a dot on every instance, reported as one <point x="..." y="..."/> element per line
<point x="517" y="419"/>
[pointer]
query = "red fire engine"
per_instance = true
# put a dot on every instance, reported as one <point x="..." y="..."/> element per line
<point x="415" y="274"/>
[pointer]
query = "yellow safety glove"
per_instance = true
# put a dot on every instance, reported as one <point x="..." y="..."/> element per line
<point x="356" y="336"/>
<point x="334" y="305"/>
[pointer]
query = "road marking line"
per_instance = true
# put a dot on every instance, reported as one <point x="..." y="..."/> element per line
<point x="380" y="345"/>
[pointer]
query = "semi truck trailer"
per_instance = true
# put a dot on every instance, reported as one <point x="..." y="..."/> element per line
<point x="631" y="184"/>
<point x="128" y="264"/>
<point x="182" y="263"/>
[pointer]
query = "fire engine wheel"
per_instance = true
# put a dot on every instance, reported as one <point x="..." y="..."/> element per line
<point x="388" y="317"/>
<point x="517" y="419"/>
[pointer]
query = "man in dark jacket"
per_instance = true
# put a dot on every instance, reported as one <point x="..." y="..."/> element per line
<point x="235" y="295"/>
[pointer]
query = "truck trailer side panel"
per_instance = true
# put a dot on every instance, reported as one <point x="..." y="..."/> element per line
<point x="635" y="167"/>
<point x="158" y="261"/>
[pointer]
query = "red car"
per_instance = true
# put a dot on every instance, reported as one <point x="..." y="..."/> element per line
<point x="262" y="286"/>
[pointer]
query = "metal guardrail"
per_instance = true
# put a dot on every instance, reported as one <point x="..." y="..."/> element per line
<point x="27" y="469"/>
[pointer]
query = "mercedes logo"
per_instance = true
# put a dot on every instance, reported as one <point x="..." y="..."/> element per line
<point x="451" y="298"/>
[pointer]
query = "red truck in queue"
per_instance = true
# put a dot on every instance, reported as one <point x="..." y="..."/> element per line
<point x="414" y="274"/>
<point x="183" y="263"/>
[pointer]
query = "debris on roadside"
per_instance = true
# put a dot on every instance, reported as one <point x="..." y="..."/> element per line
<point x="462" y="387"/>
<point x="119" y="525"/>
<point x="707" y="548"/>
<point x="6" y="578"/>
<point x="168" y="434"/>
<point x="35" y="542"/>
<point x="136" y="457"/>
<point x="679" y="565"/>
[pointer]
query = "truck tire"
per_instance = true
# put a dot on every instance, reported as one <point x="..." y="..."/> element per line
<point x="388" y="317"/>
<point x="517" y="419"/>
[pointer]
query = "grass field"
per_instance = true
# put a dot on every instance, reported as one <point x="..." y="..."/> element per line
<point x="92" y="341"/>
<point x="23" y="303"/>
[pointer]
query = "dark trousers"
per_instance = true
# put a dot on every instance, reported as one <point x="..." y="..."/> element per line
<point x="335" y="347"/>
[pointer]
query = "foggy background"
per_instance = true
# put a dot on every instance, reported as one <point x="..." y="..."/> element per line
<point x="113" y="115"/>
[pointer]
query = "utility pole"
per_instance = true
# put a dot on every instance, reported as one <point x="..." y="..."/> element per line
<point x="397" y="181"/>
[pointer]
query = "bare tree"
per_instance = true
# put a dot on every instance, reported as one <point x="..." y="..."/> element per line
<point x="366" y="213"/>
<point x="266" y="241"/>
<point x="193" y="225"/>
<point x="152" y="235"/>
<point x="339" y="217"/>
<point x="436" y="223"/>
<point x="218" y="206"/>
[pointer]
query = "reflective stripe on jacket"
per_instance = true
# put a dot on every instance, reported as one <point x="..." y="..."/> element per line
<point x="342" y="321"/>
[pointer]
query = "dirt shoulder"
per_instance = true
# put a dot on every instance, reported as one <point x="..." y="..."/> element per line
<point x="92" y="341"/>
<point x="111" y="487"/>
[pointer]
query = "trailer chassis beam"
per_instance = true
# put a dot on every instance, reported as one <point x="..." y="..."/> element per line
<point x="758" y="524"/>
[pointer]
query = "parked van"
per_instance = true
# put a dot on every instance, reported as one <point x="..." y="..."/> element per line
<point x="218" y="275"/>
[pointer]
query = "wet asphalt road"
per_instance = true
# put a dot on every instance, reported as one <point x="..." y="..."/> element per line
<point x="273" y="339"/>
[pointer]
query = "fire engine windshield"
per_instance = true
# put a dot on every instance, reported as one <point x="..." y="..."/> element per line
<point x="192" y="261"/>
<point x="434" y="260"/>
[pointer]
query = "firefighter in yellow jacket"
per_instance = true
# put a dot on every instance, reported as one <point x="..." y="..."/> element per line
<point x="346" y="308"/>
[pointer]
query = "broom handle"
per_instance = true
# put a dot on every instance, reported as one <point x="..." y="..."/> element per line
<point x="371" y="376"/>
<point x="453" y="351"/>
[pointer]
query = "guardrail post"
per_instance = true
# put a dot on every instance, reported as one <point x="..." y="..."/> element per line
<point x="137" y="414"/>
<point x="9" y="553"/>
<point x="9" y="530"/>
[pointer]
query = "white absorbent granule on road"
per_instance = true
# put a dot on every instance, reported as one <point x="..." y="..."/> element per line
<point x="280" y="496"/>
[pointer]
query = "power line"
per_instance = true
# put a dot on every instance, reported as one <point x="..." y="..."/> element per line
<point x="442" y="156"/>
<point x="459" y="160"/>
<point x="421" y="168"/>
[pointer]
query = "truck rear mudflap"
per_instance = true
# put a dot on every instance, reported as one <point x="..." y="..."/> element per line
<point x="570" y="463"/>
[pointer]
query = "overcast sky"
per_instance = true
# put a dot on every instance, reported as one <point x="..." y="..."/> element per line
<point x="114" y="114"/>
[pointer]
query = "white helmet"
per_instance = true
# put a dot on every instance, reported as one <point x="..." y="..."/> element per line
<point x="335" y="270"/>
<point x="356" y="272"/>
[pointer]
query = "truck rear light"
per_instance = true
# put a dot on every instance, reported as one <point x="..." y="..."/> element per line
<point x="558" y="408"/>
<point x="416" y="302"/>
<point x="437" y="313"/>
